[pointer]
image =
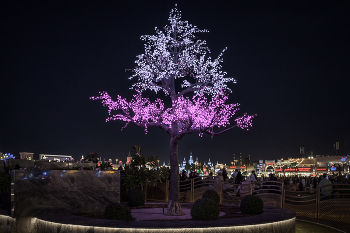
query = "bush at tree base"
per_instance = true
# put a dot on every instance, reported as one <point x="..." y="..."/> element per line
<point x="213" y="195"/>
<point x="135" y="198"/>
<point x="205" y="209"/>
<point x="251" y="205"/>
<point x="118" y="212"/>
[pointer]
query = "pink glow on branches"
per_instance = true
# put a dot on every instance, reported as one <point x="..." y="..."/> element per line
<point x="196" y="114"/>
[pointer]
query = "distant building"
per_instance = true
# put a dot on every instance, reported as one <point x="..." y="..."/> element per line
<point x="26" y="155"/>
<point x="190" y="161"/>
<point x="56" y="158"/>
<point x="184" y="163"/>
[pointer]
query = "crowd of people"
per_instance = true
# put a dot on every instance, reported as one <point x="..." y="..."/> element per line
<point x="292" y="183"/>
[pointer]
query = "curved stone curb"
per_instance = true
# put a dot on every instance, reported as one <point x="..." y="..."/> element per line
<point x="272" y="220"/>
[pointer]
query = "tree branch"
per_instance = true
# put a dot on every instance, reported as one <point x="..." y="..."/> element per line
<point x="219" y="133"/>
<point x="152" y="124"/>
<point x="193" y="88"/>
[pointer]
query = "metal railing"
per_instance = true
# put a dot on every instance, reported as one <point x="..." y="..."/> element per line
<point x="331" y="202"/>
<point x="316" y="203"/>
<point x="270" y="192"/>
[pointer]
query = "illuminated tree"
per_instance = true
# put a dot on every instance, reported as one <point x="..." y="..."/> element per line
<point x="197" y="105"/>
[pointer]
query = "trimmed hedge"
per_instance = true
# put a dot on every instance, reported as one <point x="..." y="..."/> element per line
<point x="251" y="205"/>
<point x="205" y="209"/>
<point x="213" y="195"/>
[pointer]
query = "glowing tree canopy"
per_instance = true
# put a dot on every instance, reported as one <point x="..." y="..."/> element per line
<point x="176" y="55"/>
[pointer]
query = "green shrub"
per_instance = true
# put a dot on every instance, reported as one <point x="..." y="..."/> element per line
<point x="118" y="212"/>
<point x="213" y="195"/>
<point x="135" y="198"/>
<point x="251" y="205"/>
<point x="205" y="209"/>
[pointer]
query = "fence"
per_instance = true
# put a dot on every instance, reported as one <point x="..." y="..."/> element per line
<point x="318" y="204"/>
<point x="193" y="189"/>
<point x="311" y="203"/>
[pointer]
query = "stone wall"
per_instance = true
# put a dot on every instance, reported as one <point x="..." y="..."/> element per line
<point x="47" y="192"/>
<point x="23" y="163"/>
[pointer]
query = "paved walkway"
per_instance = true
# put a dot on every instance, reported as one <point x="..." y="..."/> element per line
<point x="345" y="227"/>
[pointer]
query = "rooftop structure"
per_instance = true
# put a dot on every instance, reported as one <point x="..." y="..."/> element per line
<point x="56" y="158"/>
<point x="26" y="155"/>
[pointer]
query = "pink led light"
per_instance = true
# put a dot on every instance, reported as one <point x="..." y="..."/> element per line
<point x="196" y="114"/>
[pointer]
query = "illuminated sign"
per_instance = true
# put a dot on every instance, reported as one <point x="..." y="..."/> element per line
<point x="279" y="170"/>
<point x="333" y="168"/>
<point x="304" y="169"/>
<point x="343" y="158"/>
<point x="321" y="169"/>
<point x="243" y="167"/>
<point x="270" y="161"/>
<point x="289" y="170"/>
<point x="232" y="166"/>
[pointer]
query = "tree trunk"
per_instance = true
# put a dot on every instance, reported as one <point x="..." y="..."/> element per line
<point x="174" y="206"/>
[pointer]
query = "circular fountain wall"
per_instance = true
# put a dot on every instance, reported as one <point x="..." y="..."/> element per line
<point x="271" y="220"/>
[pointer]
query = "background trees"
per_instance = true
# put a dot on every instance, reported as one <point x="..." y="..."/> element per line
<point x="143" y="171"/>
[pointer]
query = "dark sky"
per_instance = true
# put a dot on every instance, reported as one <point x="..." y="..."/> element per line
<point x="291" y="60"/>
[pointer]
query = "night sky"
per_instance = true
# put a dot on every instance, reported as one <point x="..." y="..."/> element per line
<point x="291" y="60"/>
